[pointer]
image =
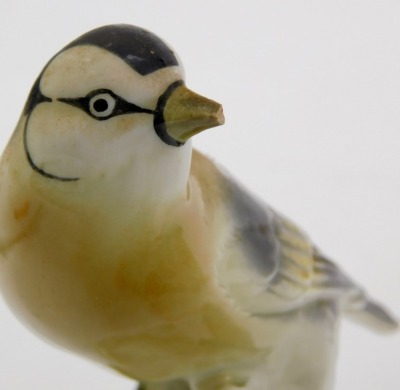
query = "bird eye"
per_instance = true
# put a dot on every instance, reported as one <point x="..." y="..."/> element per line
<point x="102" y="105"/>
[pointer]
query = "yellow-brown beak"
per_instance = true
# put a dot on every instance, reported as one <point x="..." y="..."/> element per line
<point x="182" y="113"/>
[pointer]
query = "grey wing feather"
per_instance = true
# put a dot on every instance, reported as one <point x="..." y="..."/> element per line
<point x="291" y="270"/>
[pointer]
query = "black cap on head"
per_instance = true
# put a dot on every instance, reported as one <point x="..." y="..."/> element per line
<point x="141" y="49"/>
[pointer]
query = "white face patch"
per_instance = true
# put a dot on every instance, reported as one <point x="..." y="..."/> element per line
<point x="65" y="142"/>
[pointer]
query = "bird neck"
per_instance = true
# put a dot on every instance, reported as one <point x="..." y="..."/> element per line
<point x="152" y="179"/>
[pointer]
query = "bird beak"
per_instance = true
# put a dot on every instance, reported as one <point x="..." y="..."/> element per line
<point x="183" y="113"/>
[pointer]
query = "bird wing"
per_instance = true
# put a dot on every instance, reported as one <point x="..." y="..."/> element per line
<point x="279" y="269"/>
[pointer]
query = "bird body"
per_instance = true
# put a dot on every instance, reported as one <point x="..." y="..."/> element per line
<point x="120" y="243"/>
<point x="144" y="298"/>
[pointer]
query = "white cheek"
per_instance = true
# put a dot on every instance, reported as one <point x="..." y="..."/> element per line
<point x="122" y="155"/>
<point x="65" y="142"/>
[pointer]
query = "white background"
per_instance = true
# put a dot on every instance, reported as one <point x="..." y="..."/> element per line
<point x="311" y="91"/>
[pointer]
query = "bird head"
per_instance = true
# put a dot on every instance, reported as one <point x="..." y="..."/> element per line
<point x="112" y="107"/>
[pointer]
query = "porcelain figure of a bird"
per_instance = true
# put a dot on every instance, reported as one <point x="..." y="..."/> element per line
<point x="121" y="243"/>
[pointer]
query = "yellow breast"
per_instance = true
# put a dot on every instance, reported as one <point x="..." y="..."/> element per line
<point x="136" y="293"/>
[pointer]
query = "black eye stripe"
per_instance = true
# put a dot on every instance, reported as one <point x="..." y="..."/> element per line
<point x="121" y="106"/>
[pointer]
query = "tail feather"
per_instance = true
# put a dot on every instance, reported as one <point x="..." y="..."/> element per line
<point x="330" y="279"/>
<point x="374" y="316"/>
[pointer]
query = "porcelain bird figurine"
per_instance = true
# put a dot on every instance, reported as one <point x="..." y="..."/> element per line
<point x="122" y="244"/>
